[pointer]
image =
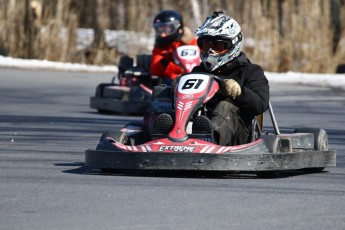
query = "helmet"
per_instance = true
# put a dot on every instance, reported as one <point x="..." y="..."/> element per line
<point x="167" y="25"/>
<point x="220" y="40"/>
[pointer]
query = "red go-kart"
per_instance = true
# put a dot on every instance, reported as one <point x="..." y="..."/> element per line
<point x="130" y="92"/>
<point x="155" y="145"/>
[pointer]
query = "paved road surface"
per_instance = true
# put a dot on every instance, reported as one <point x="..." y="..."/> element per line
<point x="46" y="124"/>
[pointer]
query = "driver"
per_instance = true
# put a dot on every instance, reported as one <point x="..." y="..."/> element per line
<point x="245" y="92"/>
<point x="170" y="34"/>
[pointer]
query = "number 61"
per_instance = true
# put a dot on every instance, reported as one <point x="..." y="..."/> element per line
<point x="192" y="83"/>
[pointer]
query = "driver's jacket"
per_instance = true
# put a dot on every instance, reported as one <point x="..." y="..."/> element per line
<point x="162" y="64"/>
<point x="254" y="99"/>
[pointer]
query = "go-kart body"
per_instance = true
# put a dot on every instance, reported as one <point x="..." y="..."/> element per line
<point x="136" y="147"/>
<point x="131" y="92"/>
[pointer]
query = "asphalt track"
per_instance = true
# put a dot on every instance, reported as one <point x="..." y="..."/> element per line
<point x="46" y="124"/>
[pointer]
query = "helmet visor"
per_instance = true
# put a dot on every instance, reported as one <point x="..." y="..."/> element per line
<point x="216" y="46"/>
<point x="166" y="28"/>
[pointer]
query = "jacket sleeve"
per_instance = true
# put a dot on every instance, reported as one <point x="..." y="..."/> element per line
<point x="255" y="92"/>
<point x="158" y="66"/>
<point x="162" y="64"/>
<point x="173" y="70"/>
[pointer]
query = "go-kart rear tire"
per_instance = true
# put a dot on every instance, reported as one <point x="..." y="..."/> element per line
<point x="320" y="137"/>
<point x="100" y="89"/>
<point x="320" y="143"/>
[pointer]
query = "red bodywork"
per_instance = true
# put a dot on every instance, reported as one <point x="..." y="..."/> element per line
<point x="191" y="92"/>
<point x="187" y="57"/>
<point x="190" y="146"/>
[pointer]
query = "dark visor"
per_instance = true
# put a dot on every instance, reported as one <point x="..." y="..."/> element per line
<point x="217" y="45"/>
<point x="166" y="27"/>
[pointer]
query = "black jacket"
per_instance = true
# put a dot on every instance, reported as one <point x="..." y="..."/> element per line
<point x="254" y="99"/>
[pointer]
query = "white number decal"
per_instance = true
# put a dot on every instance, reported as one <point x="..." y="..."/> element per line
<point x="188" y="52"/>
<point x="193" y="83"/>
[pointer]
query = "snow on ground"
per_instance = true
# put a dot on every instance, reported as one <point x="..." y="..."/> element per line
<point x="50" y="65"/>
<point x="328" y="80"/>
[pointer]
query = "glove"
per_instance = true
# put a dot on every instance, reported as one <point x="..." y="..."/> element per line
<point x="232" y="88"/>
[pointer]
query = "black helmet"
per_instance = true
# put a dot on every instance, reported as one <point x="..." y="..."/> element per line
<point x="167" y="25"/>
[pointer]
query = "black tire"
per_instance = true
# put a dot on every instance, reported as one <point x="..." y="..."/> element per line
<point x="100" y="89"/>
<point x="117" y="136"/>
<point x="320" y="143"/>
<point x="111" y="92"/>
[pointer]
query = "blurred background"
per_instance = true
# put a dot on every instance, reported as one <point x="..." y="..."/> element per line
<point x="280" y="35"/>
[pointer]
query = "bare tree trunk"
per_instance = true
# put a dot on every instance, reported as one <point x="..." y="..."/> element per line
<point x="69" y="18"/>
<point x="103" y="54"/>
<point x="132" y="18"/>
<point x="196" y="11"/>
<point x="15" y="28"/>
<point x="27" y="30"/>
<point x="49" y="43"/>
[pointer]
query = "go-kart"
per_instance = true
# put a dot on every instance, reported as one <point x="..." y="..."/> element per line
<point x="130" y="92"/>
<point x="147" y="146"/>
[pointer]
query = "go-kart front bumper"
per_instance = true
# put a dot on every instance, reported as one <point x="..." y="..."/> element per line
<point x="243" y="162"/>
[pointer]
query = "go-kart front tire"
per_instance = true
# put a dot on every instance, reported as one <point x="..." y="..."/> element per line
<point x="118" y="136"/>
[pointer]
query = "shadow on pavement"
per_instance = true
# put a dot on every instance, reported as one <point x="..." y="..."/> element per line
<point x="83" y="170"/>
